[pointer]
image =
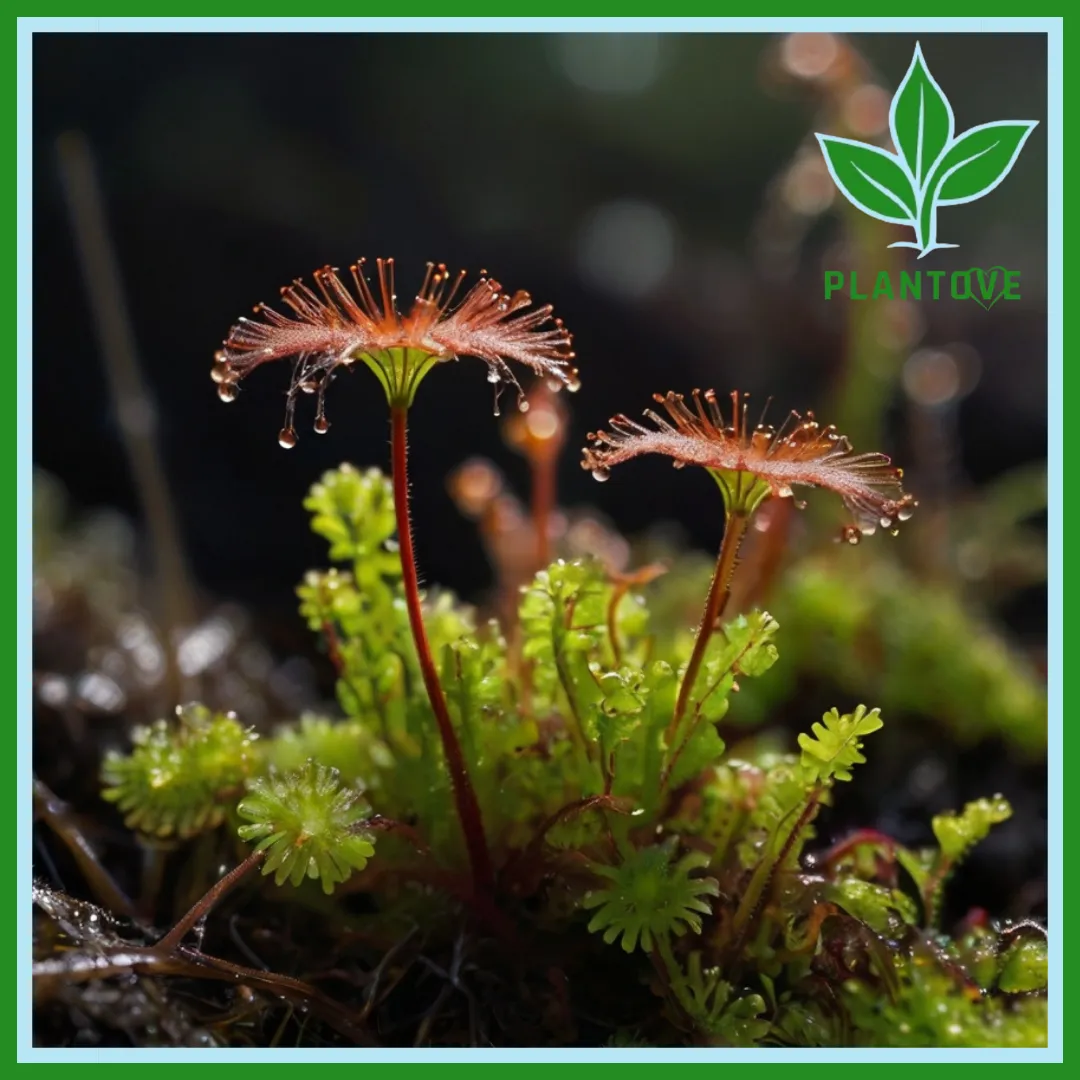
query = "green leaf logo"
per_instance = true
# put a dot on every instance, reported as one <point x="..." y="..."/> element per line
<point x="932" y="165"/>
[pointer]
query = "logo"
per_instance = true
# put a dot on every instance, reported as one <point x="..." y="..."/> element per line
<point x="932" y="166"/>
<point x="985" y="287"/>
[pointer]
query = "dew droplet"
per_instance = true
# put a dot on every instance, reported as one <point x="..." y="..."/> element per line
<point x="523" y="405"/>
<point x="886" y="522"/>
<point x="227" y="391"/>
<point x="573" y="383"/>
<point x="309" y="386"/>
<point x="286" y="438"/>
<point x="492" y="376"/>
<point x="905" y="512"/>
<point x="322" y="425"/>
<point x="554" y="385"/>
<point x="600" y="474"/>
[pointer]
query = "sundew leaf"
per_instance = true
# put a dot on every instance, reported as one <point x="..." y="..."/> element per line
<point x="920" y="119"/>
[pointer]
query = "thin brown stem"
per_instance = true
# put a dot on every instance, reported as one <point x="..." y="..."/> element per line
<point x="203" y="906"/>
<point x="132" y="401"/>
<point x="58" y="816"/>
<point x="715" y="603"/>
<point x="617" y="593"/>
<point x="468" y="808"/>
<point x="124" y="960"/>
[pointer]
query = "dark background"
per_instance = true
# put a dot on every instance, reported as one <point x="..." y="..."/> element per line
<point x="621" y="178"/>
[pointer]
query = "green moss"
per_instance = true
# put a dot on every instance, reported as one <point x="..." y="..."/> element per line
<point x="610" y="826"/>
<point x="181" y="778"/>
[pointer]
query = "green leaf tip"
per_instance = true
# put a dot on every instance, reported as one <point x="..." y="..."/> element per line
<point x="957" y="833"/>
<point x="836" y="744"/>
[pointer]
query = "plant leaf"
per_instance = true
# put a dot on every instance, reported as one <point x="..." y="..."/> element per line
<point x="920" y="119"/>
<point x="956" y="833"/>
<point x="1024" y="967"/>
<point x="979" y="160"/>
<point x="618" y="713"/>
<point x="886" y="911"/>
<point x="870" y="178"/>
<point x="744" y="649"/>
<point x="650" y="896"/>
<point x="836" y="743"/>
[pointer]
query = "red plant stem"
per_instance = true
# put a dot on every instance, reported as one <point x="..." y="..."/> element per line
<point x="202" y="907"/>
<point x="859" y="838"/>
<point x="468" y="808"/>
<point x="719" y="592"/>
<point x="543" y="501"/>
<point x="804" y="819"/>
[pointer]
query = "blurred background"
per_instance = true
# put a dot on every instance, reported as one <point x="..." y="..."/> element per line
<point x="666" y="195"/>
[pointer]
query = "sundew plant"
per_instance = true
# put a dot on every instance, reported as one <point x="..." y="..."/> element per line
<point x="544" y="828"/>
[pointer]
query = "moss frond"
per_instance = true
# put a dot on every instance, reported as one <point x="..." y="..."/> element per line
<point x="651" y="896"/>
<point x="309" y="824"/>
<point x="182" y="777"/>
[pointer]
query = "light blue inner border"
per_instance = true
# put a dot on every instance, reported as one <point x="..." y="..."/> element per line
<point x="24" y="396"/>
